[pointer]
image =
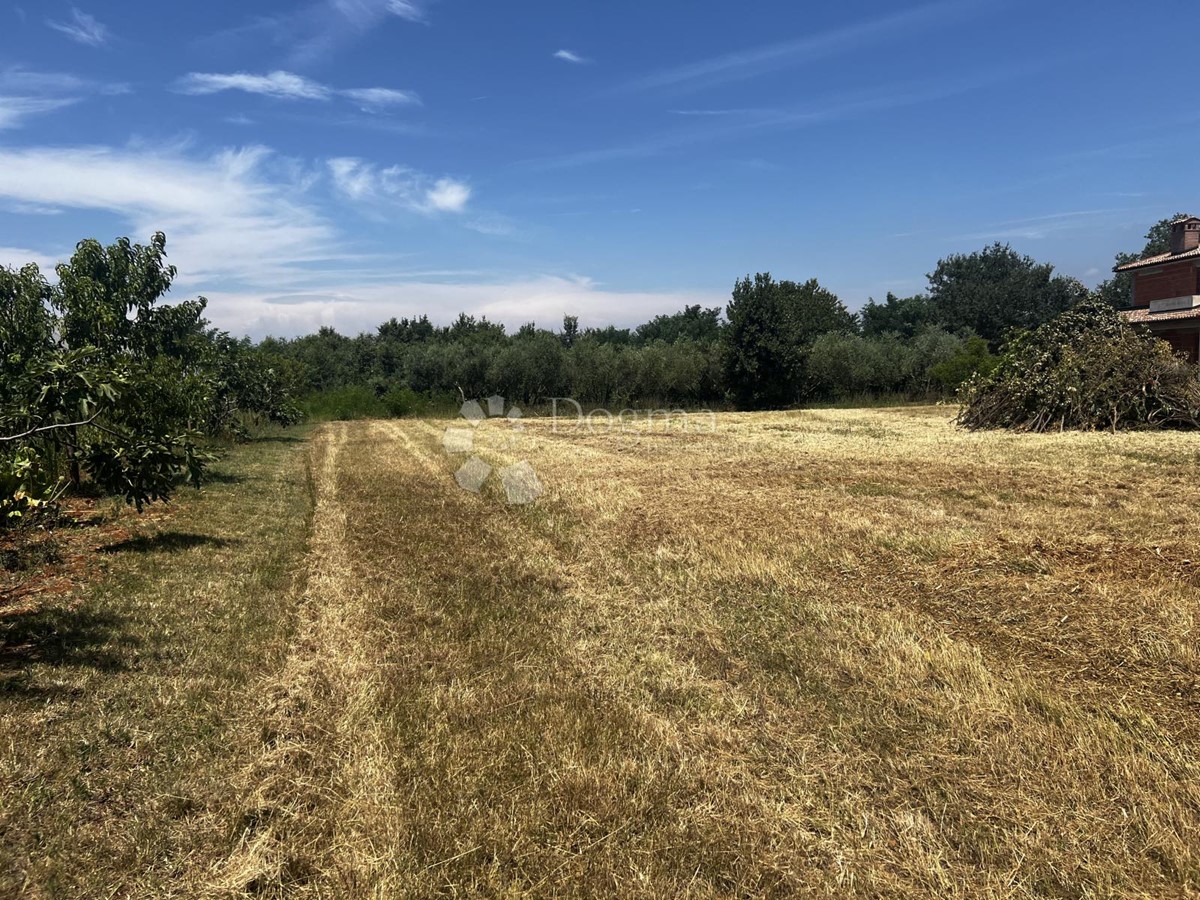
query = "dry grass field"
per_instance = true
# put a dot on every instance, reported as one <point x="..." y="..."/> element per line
<point x="835" y="653"/>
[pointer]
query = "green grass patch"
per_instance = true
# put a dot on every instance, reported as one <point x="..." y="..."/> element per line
<point x="122" y="704"/>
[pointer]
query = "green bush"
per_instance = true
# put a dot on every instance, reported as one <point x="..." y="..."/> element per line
<point x="403" y="401"/>
<point x="1086" y="369"/>
<point x="973" y="358"/>
<point x="342" y="404"/>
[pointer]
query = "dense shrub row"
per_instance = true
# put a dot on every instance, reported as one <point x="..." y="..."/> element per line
<point x="689" y="359"/>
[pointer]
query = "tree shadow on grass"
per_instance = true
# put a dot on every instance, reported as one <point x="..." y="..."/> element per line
<point x="61" y="637"/>
<point x="275" y="439"/>
<point x="167" y="542"/>
<point x="211" y="477"/>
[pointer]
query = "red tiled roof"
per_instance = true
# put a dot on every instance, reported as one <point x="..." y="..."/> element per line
<point x="1142" y="315"/>
<point x="1158" y="260"/>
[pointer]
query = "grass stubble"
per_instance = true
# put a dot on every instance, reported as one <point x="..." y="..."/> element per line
<point x="847" y="653"/>
<point x="118" y="737"/>
<point x="824" y="652"/>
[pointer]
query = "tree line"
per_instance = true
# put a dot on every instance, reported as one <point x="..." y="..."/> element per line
<point x="777" y="343"/>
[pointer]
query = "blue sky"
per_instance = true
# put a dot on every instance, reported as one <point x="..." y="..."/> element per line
<point x="342" y="161"/>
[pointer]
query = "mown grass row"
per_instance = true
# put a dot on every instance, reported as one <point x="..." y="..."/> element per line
<point x="122" y="706"/>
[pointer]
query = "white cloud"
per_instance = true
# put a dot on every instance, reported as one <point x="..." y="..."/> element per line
<point x="282" y="85"/>
<point x="16" y="257"/>
<point x="406" y="9"/>
<point x="244" y="229"/>
<point x="493" y="225"/>
<point x="448" y="195"/>
<point x="366" y="14"/>
<point x="311" y="32"/>
<point x="353" y="177"/>
<point x="374" y="99"/>
<point x="239" y="216"/>
<point x="354" y="307"/>
<point x="398" y="185"/>
<point x="290" y="86"/>
<point x="34" y="209"/>
<point x="570" y="56"/>
<point x="15" y="110"/>
<point x="82" y="28"/>
<point x="25" y="93"/>
<point x="27" y="82"/>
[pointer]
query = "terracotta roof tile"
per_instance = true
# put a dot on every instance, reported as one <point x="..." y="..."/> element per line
<point x="1142" y="315"/>
<point x="1158" y="260"/>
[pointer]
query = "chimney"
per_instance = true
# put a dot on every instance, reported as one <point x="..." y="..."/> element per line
<point x="1185" y="235"/>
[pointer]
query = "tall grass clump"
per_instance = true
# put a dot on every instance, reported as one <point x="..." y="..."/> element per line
<point x="344" y="403"/>
<point x="1087" y="369"/>
<point x="375" y="402"/>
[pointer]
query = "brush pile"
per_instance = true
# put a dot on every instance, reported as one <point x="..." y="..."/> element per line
<point x="1087" y="369"/>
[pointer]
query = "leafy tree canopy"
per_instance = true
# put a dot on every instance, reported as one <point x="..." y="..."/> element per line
<point x="693" y="323"/>
<point x="772" y="325"/>
<point x="102" y="381"/>
<point x="996" y="290"/>
<point x="904" y="316"/>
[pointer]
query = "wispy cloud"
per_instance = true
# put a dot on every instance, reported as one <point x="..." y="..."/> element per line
<point x="19" y="80"/>
<point x="289" y="86"/>
<point x="746" y="111"/>
<point x="493" y="225"/>
<point x="1036" y="228"/>
<point x="407" y="9"/>
<point x="16" y="257"/>
<point x="15" y="110"/>
<point x="737" y="123"/>
<point x="760" y="60"/>
<point x="25" y="93"/>
<point x="313" y="32"/>
<point x="571" y="56"/>
<point x="240" y="216"/>
<point x="398" y="186"/>
<point x="82" y="28"/>
<point x="369" y="13"/>
<point x="282" y="85"/>
<point x="375" y="99"/>
<point x="245" y="229"/>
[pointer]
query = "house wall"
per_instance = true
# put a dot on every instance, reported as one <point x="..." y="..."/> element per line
<point x="1187" y="342"/>
<point x="1181" y="279"/>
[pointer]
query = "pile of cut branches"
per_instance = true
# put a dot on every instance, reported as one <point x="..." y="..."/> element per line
<point x="1087" y="369"/>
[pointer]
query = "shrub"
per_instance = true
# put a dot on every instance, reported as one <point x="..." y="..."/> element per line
<point x="341" y="404"/>
<point x="972" y="358"/>
<point x="403" y="401"/>
<point x="1086" y="369"/>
